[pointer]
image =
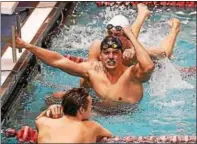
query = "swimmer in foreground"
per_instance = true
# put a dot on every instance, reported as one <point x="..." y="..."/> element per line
<point x="73" y="126"/>
<point x="109" y="78"/>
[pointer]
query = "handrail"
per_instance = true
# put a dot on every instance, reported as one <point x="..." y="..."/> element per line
<point x="18" y="27"/>
<point x="15" y="30"/>
<point x="14" y="55"/>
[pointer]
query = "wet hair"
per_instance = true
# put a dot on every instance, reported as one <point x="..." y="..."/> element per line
<point x="111" y="42"/>
<point x="73" y="100"/>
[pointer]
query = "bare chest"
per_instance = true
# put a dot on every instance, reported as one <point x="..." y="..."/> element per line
<point x="121" y="90"/>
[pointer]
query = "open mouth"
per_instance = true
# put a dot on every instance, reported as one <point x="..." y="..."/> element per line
<point x="111" y="63"/>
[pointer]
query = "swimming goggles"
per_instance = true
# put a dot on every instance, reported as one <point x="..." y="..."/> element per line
<point x="110" y="26"/>
<point x="111" y="42"/>
<point x="110" y="45"/>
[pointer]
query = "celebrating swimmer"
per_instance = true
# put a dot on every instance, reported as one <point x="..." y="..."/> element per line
<point x="108" y="77"/>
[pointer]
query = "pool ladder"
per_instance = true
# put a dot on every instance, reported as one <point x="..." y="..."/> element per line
<point x="14" y="31"/>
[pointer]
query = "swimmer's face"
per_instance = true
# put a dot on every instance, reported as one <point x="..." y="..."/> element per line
<point x="111" y="58"/>
<point x="86" y="113"/>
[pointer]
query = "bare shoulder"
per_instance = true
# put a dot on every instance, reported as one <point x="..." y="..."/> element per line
<point x="98" y="129"/>
<point x="92" y="124"/>
<point x="42" y="120"/>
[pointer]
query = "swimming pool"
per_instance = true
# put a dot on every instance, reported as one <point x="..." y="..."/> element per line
<point x="169" y="103"/>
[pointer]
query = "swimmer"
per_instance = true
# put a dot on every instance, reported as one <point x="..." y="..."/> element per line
<point x="115" y="28"/>
<point x="73" y="126"/>
<point x="129" y="53"/>
<point x="109" y="78"/>
<point x="165" y="49"/>
<point x="118" y="22"/>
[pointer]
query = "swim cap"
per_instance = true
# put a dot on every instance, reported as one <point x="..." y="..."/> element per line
<point x="111" y="42"/>
<point x="119" y="20"/>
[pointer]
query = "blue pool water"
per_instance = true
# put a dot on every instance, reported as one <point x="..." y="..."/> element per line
<point x="169" y="103"/>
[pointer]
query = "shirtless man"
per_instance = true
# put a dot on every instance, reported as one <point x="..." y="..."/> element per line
<point x="114" y="27"/>
<point x="129" y="56"/>
<point x="73" y="126"/>
<point x="165" y="50"/>
<point x="108" y="77"/>
<point x="122" y="21"/>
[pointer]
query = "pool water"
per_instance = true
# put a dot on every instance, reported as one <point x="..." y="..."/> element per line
<point x="169" y="103"/>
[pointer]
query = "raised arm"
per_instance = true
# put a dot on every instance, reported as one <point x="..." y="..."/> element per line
<point x="54" y="59"/>
<point x="142" y="14"/>
<point x="143" y="69"/>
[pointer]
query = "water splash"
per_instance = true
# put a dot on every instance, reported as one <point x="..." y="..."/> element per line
<point x="77" y="37"/>
<point x="165" y="78"/>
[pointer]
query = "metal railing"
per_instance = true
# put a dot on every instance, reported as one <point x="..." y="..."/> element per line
<point x="18" y="27"/>
<point x="15" y="30"/>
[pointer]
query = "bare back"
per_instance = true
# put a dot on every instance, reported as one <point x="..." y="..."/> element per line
<point x="65" y="130"/>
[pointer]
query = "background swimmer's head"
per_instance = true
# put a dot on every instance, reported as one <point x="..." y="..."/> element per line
<point x="77" y="102"/>
<point x="119" y="20"/>
<point x="115" y="28"/>
<point x="115" y="25"/>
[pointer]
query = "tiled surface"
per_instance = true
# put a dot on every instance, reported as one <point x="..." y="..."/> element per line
<point x="28" y="31"/>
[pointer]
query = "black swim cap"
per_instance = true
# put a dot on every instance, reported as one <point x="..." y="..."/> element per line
<point x="111" y="42"/>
